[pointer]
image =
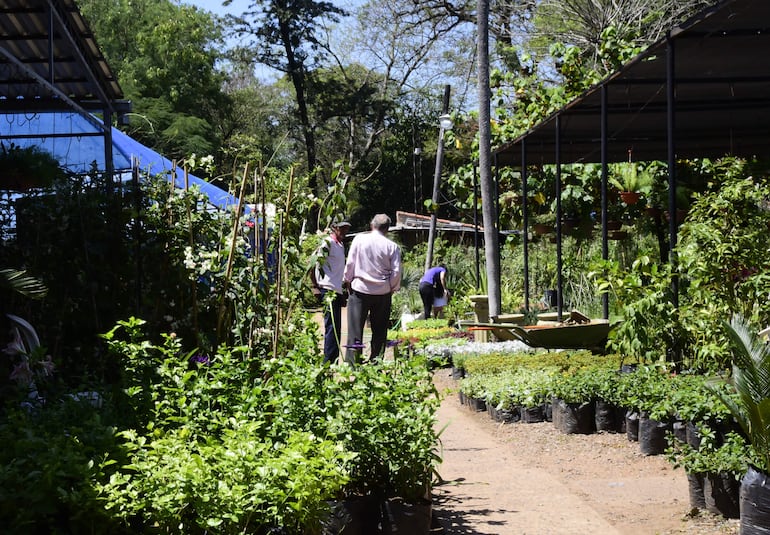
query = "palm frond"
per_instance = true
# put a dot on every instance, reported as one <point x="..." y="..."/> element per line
<point x="751" y="381"/>
<point x="19" y="281"/>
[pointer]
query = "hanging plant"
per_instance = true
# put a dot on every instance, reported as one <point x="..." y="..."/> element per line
<point x="630" y="181"/>
<point x="24" y="168"/>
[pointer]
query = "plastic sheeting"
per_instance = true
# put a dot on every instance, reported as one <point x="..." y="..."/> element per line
<point x="70" y="138"/>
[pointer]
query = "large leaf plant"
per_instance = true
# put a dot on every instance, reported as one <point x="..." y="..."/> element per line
<point x="751" y="381"/>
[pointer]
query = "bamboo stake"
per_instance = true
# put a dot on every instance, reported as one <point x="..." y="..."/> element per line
<point x="279" y="266"/>
<point x="192" y="244"/>
<point x="231" y="253"/>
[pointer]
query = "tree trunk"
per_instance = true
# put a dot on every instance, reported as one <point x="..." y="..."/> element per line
<point x="297" y="72"/>
<point x="488" y="201"/>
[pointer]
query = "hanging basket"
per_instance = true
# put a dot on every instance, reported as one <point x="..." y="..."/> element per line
<point x="681" y="214"/>
<point x="630" y="197"/>
<point x="617" y="235"/>
<point x="653" y="212"/>
<point x="542" y="228"/>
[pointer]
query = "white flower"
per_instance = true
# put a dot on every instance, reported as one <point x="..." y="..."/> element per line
<point x="189" y="261"/>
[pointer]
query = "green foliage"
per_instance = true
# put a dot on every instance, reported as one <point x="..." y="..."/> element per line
<point x="751" y="381"/>
<point x="693" y="401"/>
<point x="575" y="388"/>
<point x="645" y="389"/>
<point x="227" y="483"/>
<point x="628" y="176"/>
<point x="28" y="167"/>
<point x="52" y="460"/>
<point x="165" y="56"/>
<point x="730" y="456"/>
<point x="722" y="249"/>
<point x="650" y="327"/>
<point x="386" y="414"/>
<point x="19" y="281"/>
<point x="71" y="238"/>
<point x="227" y="442"/>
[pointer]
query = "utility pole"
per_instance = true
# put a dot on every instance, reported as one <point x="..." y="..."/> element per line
<point x="445" y="123"/>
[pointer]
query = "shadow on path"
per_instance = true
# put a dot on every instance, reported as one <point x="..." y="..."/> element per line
<point x="449" y="519"/>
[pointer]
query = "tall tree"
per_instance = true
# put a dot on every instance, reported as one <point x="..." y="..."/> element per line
<point x="488" y="202"/>
<point x="165" y="57"/>
<point x="582" y="22"/>
<point x="284" y="37"/>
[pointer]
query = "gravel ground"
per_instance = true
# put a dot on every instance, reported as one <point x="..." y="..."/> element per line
<point x="531" y="479"/>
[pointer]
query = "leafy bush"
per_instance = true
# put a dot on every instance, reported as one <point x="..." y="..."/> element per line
<point x="731" y="456"/>
<point x="53" y="460"/>
<point x="385" y="413"/>
<point x="230" y="483"/>
<point x="228" y="443"/>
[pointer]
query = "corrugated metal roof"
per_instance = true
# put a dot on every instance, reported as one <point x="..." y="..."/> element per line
<point x="49" y="59"/>
<point x="721" y="72"/>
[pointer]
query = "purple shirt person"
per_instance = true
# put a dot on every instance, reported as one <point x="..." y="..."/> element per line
<point x="432" y="287"/>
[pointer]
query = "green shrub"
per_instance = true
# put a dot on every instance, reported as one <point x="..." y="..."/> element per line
<point x="53" y="459"/>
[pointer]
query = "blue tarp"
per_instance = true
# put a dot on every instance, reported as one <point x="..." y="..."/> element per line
<point x="65" y="135"/>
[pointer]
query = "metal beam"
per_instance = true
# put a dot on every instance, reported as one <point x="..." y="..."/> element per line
<point x="56" y="91"/>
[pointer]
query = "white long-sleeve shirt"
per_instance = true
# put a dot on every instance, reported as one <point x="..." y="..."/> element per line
<point x="329" y="276"/>
<point x="374" y="264"/>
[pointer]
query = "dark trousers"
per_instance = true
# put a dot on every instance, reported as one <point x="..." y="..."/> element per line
<point x="332" y="325"/>
<point x="426" y="294"/>
<point x="377" y="309"/>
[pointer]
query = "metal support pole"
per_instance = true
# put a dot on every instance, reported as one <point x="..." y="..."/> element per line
<point x="670" y="124"/>
<point x="476" y="224"/>
<point x="416" y="166"/>
<point x="559" y="282"/>
<point x="525" y="220"/>
<point x="605" y="247"/>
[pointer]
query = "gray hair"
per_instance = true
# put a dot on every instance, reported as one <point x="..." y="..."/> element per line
<point x="381" y="222"/>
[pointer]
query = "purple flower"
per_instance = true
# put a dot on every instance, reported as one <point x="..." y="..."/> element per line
<point x="22" y="374"/>
<point x="203" y="360"/>
<point x="393" y="343"/>
<point x="357" y="345"/>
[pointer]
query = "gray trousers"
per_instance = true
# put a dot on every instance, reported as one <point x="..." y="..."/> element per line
<point x="377" y="309"/>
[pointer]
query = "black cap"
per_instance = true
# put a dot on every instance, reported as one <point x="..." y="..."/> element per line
<point x="340" y="224"/>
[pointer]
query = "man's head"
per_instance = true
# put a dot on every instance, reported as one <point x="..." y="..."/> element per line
<point x="381" y="222"/>
<point x="340" y="228"/>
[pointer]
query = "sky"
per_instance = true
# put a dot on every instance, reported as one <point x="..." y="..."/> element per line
<point x="237" y="7"/>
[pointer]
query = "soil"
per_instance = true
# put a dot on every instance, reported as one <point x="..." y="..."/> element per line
<point x="529" y="478"/>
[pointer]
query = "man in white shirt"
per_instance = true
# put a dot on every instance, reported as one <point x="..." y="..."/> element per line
<point x="372" y="273"/>
<point x="327" y="277"/>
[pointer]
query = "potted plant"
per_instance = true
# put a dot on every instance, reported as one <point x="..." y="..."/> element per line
<point x="630" y="181"/>
<point x="614" y="216"/>
<point x="657" y="193"/>
<point x="27" y="167"/>
<point x="751" y="408"/>
<point x="543" y="223"/>
<point x="576" y="206"/>
<point x="682" y="199"/>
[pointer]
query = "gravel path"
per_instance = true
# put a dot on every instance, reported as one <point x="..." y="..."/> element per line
<point x="531" y="479"/>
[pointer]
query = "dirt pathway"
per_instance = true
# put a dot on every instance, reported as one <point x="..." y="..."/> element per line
<point x="531" y="479"/>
